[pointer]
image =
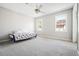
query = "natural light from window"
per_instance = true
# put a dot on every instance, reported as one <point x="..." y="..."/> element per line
<point x="60" y="23"/>
<point x="39" y="24"/>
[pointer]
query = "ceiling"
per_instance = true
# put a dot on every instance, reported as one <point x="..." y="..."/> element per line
<point x="28" y="9"/>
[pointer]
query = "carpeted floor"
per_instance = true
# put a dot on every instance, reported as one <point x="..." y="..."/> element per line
<point x="38" y="47"/>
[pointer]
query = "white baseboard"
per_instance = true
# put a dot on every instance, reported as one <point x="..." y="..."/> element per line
<point x="4" y="40"/>
<point x="52" y="37"/>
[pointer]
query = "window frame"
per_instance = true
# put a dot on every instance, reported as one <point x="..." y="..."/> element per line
<point x="39" y="24"/>
<point x="64" y="29"/>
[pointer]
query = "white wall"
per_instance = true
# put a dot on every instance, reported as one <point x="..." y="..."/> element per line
<point x="12" y="21"/>
<point x="74" y="36"/>
<point x="49" y="26"/>
<point x="78" y="28"/>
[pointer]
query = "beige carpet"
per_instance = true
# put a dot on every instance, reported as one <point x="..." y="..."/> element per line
<point x="38" y="47"/>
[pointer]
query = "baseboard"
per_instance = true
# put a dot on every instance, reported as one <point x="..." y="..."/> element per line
<point x="4" y="40"/>
<point x="51" y="37"/>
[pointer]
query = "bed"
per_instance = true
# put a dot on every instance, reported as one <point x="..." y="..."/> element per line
<point x="19" y="36"/>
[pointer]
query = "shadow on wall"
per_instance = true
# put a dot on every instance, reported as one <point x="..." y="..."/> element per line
<point x="4" y="38"/>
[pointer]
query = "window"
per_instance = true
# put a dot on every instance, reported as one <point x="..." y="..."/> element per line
<point x="39" y="24"/>
<point x="60" y="23"/>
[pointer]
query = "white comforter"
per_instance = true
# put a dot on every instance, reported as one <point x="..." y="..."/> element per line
<point x="22" y="36"/>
